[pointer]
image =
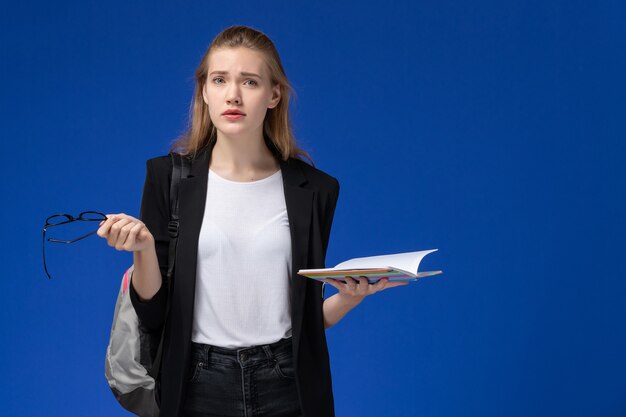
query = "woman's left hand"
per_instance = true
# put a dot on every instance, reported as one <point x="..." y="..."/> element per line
<point x="354" y="291"/>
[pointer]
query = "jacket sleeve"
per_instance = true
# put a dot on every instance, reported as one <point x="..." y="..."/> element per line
<point x="155" y="213"/>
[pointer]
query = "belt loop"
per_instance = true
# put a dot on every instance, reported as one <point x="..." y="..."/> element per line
<point x="207" y="351"/>
<point x="268" y="352"/>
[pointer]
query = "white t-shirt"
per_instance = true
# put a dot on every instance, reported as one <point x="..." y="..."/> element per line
<point x="243" y="274"/>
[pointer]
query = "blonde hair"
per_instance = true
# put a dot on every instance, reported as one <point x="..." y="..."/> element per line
<point x="277" y="130"/>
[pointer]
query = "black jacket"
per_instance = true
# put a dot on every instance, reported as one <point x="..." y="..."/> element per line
<point x="311" y="196"/>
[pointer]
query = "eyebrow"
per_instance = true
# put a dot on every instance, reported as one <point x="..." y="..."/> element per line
<point x="245" y="74"/>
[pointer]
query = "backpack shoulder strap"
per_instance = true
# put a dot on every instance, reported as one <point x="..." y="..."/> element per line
<point x="180" y="169"/>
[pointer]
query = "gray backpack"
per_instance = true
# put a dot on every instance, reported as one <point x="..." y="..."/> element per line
<point x="133" y="357"/>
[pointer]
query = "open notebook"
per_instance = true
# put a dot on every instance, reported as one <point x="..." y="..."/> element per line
<point x="397" y="267"/>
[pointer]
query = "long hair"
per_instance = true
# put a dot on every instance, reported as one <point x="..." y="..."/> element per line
<point x="277" y="129"/>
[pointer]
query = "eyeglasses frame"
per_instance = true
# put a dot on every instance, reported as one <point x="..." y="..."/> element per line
<point x="70" y="219"/>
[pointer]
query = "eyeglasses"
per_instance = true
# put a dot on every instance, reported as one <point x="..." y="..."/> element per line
<point x="61" y="219"/>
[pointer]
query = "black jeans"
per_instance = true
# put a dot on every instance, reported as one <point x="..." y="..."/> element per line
<point x="247" y="382"/>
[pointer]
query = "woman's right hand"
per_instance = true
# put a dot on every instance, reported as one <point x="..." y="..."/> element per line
<point x="125" y="232"/>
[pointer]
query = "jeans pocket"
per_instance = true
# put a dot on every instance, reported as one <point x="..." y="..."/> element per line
<point x="284" y="366"/>
<point x="194" y="371"/>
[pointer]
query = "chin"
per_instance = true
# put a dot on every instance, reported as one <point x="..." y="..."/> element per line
<point x="229" y="131"/>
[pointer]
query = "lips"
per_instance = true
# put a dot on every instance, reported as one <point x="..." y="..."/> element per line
<point x="233" y="112"/>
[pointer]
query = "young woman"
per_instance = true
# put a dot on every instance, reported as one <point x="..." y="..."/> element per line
<point x="245" y="335"/>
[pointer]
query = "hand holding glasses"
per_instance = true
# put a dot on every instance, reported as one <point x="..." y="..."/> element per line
<point x="121" y="231"/>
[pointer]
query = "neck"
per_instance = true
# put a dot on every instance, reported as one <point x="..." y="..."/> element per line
<point x="242" y="154"/>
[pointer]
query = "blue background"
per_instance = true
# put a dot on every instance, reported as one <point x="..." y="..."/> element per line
<point x="491" y="130"/>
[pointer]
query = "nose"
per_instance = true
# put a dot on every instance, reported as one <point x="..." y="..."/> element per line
<point x="233" y="99"/>
<point x="233" y="95"/>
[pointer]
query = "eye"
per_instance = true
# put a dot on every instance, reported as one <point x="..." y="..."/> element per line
<point x="253" y="81"/>
<point x="217" y="78"/>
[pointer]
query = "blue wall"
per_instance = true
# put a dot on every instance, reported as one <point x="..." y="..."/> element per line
<point x="491" y="130"/>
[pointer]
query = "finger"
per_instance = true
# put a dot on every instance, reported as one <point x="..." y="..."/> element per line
<point x="106" y="217"/>
<point x="105" y="229"/>
<point x="396" y="284"/>
<point x="132" y="236"/>
<point x="363" y="286"/>
<point x="105" y="225"/>
<point x="350" y="284"/>
<point x="380" y="285"/>
<point x="143" y="233"/>
<point x="115" y="230"/>
<point x="123" y="235"/>
<point x="334" y="283"/>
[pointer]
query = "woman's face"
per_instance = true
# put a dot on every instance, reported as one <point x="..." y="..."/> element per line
<point x="238" y="79"/>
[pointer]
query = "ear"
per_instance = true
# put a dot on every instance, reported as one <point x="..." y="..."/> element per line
<point x="275" y="97"/>
<point x="204" y="95"/>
